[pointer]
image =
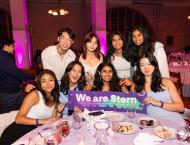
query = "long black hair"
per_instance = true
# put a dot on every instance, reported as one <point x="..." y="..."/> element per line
<point x="111" y="49"/>
<point x="139" y="78"/>
<point x="98" y="82"/>
<point x="134" y="51"/>
<point x="55" y="91"/>
<point x="65" y="78"/>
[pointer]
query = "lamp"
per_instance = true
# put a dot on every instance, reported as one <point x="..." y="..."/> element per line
<point x="59" y="11"/>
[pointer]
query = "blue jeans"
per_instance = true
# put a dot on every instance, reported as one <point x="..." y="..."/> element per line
<point x="12" y="101"/>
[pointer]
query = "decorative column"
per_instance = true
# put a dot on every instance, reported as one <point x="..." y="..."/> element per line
<point x="99" y="22"/>
<point x="21" y="33"/>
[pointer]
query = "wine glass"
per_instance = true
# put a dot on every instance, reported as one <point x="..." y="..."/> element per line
<point x="181" y="132"/>
<point x="76" y="121"/>
<point x="64" y="128"/>
<point x="131" y="113"/>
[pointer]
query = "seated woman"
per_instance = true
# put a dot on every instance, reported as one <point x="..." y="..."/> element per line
<point x="106" y="78"/>
<point x="163" y="99"/>
<point x="39" y="107"/>
<point x="73" y="79"/>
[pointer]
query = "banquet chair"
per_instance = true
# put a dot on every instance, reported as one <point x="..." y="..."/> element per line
<point x="176" y="78"/>
<point x="6" y="119"/>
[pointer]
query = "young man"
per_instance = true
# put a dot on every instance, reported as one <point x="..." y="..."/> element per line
<point x="11" y="78"/>
<point x="57" y="57"/>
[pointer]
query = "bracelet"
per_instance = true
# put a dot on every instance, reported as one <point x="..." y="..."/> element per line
<point x="161" y="104"/>
<point x="37" y="122"/>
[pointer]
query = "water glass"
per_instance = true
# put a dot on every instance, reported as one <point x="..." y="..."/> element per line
<point x="131" y="113"/>
<point x="64" y="128"/>
<point x="76" y="121"/>
<point x="101" y="132"/>
<point x="181" y="132"/>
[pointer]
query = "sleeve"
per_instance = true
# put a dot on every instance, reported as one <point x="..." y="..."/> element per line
<point x="45" y="60"/>
<point x="162" y="59"/>
<point x="12" y="69"/>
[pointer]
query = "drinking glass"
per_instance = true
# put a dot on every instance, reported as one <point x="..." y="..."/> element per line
<point x="101" y="132"/>
<point x="76" y="121"/>
<point x="131" y="113"/>
<point x="64" y="128"/>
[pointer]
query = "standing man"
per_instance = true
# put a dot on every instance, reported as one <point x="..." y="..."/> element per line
<point x="11" y="78"/>
<point x="57" y="57"/>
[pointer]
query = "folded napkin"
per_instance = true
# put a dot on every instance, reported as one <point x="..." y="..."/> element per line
<point x="147" y="139"/>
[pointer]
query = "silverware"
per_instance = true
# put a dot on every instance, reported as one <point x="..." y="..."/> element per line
<point x="40" y="134"/>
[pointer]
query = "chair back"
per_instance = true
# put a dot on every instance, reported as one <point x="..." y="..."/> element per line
<point x="176" y="78"/>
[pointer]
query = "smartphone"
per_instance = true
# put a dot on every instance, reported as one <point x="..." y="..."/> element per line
<point x="96" y="113"/>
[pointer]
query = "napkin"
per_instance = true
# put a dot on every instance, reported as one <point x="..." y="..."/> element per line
<point x="144" y="138"/>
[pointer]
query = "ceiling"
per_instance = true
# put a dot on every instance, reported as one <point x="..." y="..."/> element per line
<point x="4" y="4"/>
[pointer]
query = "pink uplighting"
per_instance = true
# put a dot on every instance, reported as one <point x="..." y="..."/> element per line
<point x="102" y="37"/>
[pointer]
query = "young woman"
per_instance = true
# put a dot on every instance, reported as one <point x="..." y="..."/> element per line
<point x="163" y="98"/>
<point x="106" y="78"/>
<point x="91" y="56"/>
<point x="73" y="79"/>
<point x="117" y="55"/>
<point x="140" y="42"/>
<point x="39" y="107"/>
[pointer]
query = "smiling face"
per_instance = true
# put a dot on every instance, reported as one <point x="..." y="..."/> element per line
<point x="47" y="82"/>
<point x="65" y="41"/>
<point x="75" y="74"/>
<point x="106" y="74"/>
<point x="146" y="67"/>
<point x="92" y="45"/>
<point x="117" y="42"/>
<point x="137" y="37"/>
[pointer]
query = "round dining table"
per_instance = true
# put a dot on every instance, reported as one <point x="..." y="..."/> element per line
<point x="85" y="137"/>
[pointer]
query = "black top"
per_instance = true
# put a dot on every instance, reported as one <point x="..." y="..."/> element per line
<point x="11" y="77"/>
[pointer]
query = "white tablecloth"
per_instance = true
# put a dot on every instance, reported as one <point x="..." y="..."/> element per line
<point x="118" y="139"/>
<point x="185" y="78"/>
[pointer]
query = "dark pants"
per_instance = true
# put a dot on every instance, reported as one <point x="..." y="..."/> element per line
<point x="13" y="132"/>
<point x="10" y="101"/>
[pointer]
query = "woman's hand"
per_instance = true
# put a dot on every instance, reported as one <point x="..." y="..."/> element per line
<point x="48" y="120"/>
<point x="77" y="109"/>
<point x="29" y="87"/>
<point x="125" y="82"/>
<point x="151" y="100"/>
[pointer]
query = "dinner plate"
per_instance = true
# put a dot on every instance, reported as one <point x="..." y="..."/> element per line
<point x="127" y="128"/>
<point x="165" y="132"/>
<point x="116" y="116"/>
<point x="147" y="121"/>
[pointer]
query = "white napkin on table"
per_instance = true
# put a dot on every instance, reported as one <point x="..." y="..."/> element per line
<point x="147" y="139"/>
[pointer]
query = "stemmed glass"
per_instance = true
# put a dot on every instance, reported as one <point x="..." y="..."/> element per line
<point x="64" y="128"/>
<point x="181" y="132"/>
<point x="76" y="121"/>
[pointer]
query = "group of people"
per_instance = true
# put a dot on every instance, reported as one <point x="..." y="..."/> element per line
<point x="138" y="65"/>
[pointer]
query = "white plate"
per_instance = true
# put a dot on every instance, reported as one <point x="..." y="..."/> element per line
<point x="116" y="116"/>
<point x="143" y="121"/>
<point x="165" y="132"/>
<point x="127" y="128"/>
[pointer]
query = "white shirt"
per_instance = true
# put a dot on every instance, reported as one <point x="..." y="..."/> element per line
<point x="161" y="57"/>
<point x="52" y="60"/>
<point x="122" y="67"/>
<point x="88" y="68"/>
<point x="40" y="110"/>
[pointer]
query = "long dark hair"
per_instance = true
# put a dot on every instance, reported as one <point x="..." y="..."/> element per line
<point x="98" y="82"/>
<point x="111" y="49"/>
<point x="139" y="78"/>
<point x="65" y="78"/>
<point x="55" y="91"/>
<point x="134" y="51"/>
<point x="88" y="38"/>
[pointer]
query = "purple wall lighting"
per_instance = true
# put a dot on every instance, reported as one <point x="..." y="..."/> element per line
<point x="19" y="54"/>
<point x="102" y="37"/>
